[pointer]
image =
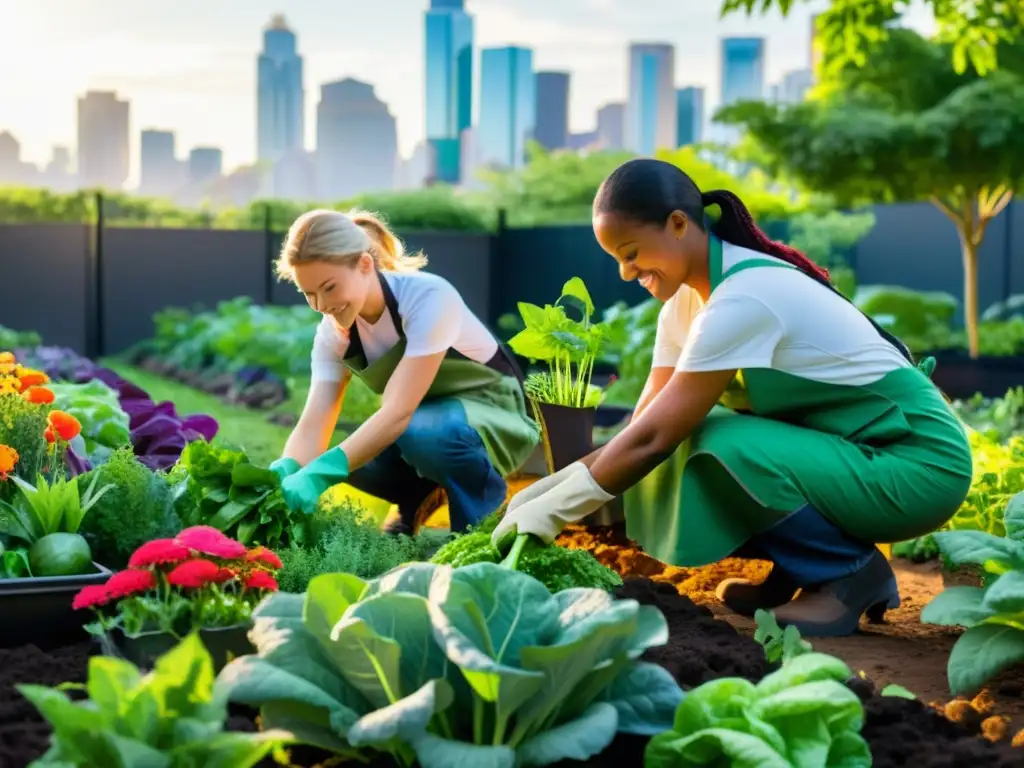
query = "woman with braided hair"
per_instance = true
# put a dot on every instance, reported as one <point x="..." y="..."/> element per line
<point x="778" y="421"/>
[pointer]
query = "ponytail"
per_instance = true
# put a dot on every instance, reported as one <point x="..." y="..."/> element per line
<point x="387" y="250"/>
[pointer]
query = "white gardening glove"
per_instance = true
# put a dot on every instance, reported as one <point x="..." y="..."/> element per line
<point x="569" y="501"/>
<point x="532" y="491"/>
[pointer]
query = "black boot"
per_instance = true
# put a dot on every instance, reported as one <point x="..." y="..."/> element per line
<point x="834" y="609"/>
<point x="744" y="597"/>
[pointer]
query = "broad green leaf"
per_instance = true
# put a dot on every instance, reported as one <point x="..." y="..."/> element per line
<point x="706" y="747"/>
<point x="533" y="345"/>
<point x="713" y="703"/>
<point x="229" y="514"/>
<point x="956" y="606"/>
<point x="976" y="547"/>
<point x="437" y="752"/>
<point x="807" y="668"/>
<point x="244" y="474"/>
<point x="579" y="739"/>
<point x="64" y="716"/>
<point x="646" y="697"/>
<point x="328" y="596"/>
<point x="806" y="737"/>
<point x="533" y="316"/>
<point x="981" y="653"/>
<point x="1013" y="518"/>
<point x="310" y="725"/>
<point x="575" y="288"/>
<point x="135" y="754"/>
<point x="898" y="690"/>
<point x="183" y="677"/>
<point x="828" y="699"/>
<point x="405" y="720"/>
<point x="1006" y="594"/>
<point x="368" y="661"/>
<point x="849" y="750"/>
<point x="235" y="750"/>
<point x="110" y="680"/>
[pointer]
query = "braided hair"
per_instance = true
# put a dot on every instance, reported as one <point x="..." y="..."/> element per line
<point x="647" y="191"/>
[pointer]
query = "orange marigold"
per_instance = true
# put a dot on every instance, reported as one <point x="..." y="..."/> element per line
<point x="64" y="424"/>
<point x="8" y="458"/>
<point x="48" y="434"/>
<point x="31" y="378"/>
<point x="38" y="395"/>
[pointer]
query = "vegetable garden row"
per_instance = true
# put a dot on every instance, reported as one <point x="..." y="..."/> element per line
<point x="156" y="570"/>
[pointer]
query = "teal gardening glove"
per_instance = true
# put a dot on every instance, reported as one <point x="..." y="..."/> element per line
<point x="285" y="466"/>
<point x="302" y="490"/>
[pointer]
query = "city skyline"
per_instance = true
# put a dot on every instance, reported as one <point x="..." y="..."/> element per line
<point x="200" y="81"/>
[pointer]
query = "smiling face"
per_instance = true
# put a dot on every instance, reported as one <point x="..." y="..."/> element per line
<point x="658" y="257"/>
<point x="338" y="290"/>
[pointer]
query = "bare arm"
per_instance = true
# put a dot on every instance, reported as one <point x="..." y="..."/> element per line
<point x="405" y="391"/>
<point x="672" y="415"/>
<point x="312" y="434"/>
<point x="656" y="381"/>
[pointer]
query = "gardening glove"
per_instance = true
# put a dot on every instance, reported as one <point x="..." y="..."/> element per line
<point x="575" y="497"/>
<point x="285" y="466"/>
<point x="303" y="489"/>
<point x="532" y="491"/>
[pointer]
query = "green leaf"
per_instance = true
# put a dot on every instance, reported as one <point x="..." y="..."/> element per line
<point x="533" y="345"/>
<point x="406" y="719"/>
<point x="828" y="699"/>
<point x="233" y="750"/>
<point x="110" y="681"/>
<point x="956" y="606"/>
<point x="646" y="697"/>
<point x="1013" y="518"/>
<point x="575" y="288"/>
<point x="714" y="702"/>
<point x="980" y="654"/>
<point x="976" y="547"/>
<point x="533" y="316"/>
<point x="808" y="668"/>
<point x="327" y="598"/>
<point x="248" y="475"/>
<point x="1006" y="594"/>
<point x="898" y="690"/>
<point x="710" y="746"/>
<point x="436" y="752"/>
<point x="579" y="739"/>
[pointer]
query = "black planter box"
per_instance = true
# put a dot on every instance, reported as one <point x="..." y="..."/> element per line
<point x="961" y="378"/>
<point x="37" y="611"/>
<point x="223" y="643"/>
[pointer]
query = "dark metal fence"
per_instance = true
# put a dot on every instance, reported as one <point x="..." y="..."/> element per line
<point x="95" y="288"/>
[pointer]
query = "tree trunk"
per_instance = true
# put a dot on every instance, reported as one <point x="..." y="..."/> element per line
<point x="970" y="259"/>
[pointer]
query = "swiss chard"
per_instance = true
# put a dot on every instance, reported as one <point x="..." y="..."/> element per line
<point x="801" y="716"/>
<point x="172" y="717"/>
<point x="992" y="614"/>
<point x="441" y="666"/>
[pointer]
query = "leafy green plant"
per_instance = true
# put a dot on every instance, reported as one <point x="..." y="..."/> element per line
<point x="800" y="716"/>
<point x="44" y="518"/>
<point x="999" y="419"/>
<point x="552" y="337"/>
<point x="994" y="635"/>
<point x="440" y="666"/>
<point x="239" y="498"/>
<point x="780" y="646"/>
<point x="98" y="410"/>
<point x="172" y="717"/>
<point x="557" y="568"/>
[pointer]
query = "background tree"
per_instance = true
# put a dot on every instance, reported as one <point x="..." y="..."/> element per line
<point x="906" y="126"/>
<point x="975" y="30"/>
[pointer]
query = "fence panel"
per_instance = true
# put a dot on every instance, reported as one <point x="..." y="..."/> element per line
<point x="43" y="282"/>
<point x="147" y="270"/>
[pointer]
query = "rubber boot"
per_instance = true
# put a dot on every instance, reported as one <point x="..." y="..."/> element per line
<point x="834" y="609"/>
<point x="402" y="526"/>
<point x="744" y="597"/>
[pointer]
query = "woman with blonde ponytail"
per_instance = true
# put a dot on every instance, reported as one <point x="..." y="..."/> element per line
<point x="453" y="414"/>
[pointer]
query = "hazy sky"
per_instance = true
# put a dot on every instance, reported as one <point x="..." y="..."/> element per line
<point x="190" y="65"/>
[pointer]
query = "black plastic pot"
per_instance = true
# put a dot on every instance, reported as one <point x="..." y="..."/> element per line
<point x="37" y="611"/>
<point x="224" y="644"/>
<point x="961" y="378"/>
<point x="568" y="433"/>
<point x="610" y="415"/>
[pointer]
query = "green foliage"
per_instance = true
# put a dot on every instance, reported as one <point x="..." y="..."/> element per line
<point x="347" y="539"/>
<point x="138" y="507"/>
<point x="780" y="646"/>
<point x="439" y="666"/>
<point x="999" y="419"/>
<point x="801" y="715"/>
<point x="994" y="639"/>
<point x="976" y="30"/>
<point x="11" y="339"/>
<point x="172" y="717"/>
<point x="238" y="498"/>
<point x="98" y="410"/>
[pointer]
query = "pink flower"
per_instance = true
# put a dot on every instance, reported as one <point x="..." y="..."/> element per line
<point x="209" y="541"/>
<point x="264" y="556"/>
<point x="261" y="580"/>
<point x="224" y="574"/>
<point x="91" y="597"/>
<point x="159" y="551"/>
<point x="193" y="574"/>
<point x="125" y="583"/>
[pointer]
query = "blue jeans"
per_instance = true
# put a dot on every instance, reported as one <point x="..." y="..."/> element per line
<point x="809" y="548"/>
<point x="438" y="449"/>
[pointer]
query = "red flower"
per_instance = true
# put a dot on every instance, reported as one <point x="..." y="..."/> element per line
<point x="91" y="597"/>
<point x="65" y="425"/>
<point x="193" y="574"/>
<point x="261" y="580"/>
<point x="224" y="574"/>
<point x="159" y="551"/>
<point x="209" y="541"/>
<point x="125" y="583"/>
<point x="264" y="556"/>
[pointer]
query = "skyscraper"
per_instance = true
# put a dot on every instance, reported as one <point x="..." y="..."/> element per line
<point x="611" y="119"/>
<point x="205" y="164"/>
<point x="102" y="140"/>
<point x="356" y="141"/>
<point x="742" y="69"/>
<point x="651" y="109"/>
<point x="160" y="170"/>
<point x="552" y="130"/>
<point x="689" y="115"/>
<point x="449" y="85"/>
<point x="279" y="94"/>
<point x="507" y="105"/>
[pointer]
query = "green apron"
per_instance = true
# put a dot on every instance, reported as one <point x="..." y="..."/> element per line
<point x="490" y="393"/>
<point x="884" y="462"/>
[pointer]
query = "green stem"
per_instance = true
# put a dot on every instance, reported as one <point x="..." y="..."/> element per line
<point x="500" y="725"/>
<point x="478" y="720"/>
<point x="512" y="560"/>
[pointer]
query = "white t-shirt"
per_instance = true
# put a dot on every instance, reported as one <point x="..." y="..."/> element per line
<point x="772" y="318"/>
<point x="434" y="319"/>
